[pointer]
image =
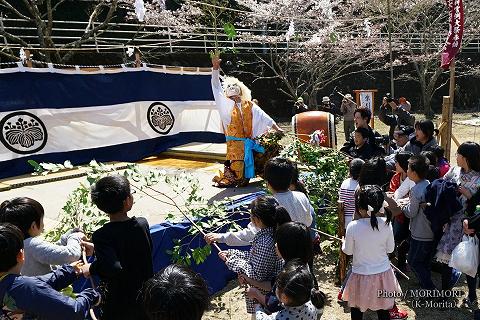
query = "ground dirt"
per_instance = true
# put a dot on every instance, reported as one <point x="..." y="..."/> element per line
<point x="229" y="303"/>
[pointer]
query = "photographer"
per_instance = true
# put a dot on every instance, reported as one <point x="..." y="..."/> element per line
<point x="347" y="109"/>
<point x="328" y="106"/>
<point x="399" y="117"/>
<point x="299" y="106"/>
<point x="404" y="104"/>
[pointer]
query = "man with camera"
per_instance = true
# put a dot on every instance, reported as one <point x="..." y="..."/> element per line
<point x="348" y="109"/>
<point x="399" y="116"/>
<point x="299" y="106"/>
<point x="328" y="106"/>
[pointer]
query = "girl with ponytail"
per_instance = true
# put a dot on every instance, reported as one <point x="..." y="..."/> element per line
<point x="370" y="240"/>
<point x="295" y="289"/>
<point x="260" y="263"/>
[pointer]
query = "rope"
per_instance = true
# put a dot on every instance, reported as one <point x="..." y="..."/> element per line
<point x="83" y="66"/>
<point x="149" y="65"/>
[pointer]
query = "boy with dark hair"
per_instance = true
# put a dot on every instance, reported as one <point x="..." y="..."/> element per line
<point x="422" y="248"/>
<point x="27" y="215"/>
<point x="362" y="118"/>
<point x="175" y="293"/>
<point x="278" y="174"/>
<point x="361" y="148"/>
<point x="37" y="297"/>
<point x="123" y="250"/>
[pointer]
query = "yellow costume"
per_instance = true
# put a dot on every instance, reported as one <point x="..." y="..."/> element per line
<point x="240" y="120"/>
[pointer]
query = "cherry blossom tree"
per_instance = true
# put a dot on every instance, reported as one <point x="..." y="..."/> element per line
<point x="41" y="15"/>
<point x="423" y="27"/>
<point x="314" y="43"/>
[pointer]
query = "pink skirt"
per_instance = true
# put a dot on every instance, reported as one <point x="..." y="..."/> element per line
<point x="374" y="291"/>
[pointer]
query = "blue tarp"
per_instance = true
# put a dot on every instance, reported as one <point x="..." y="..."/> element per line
<point x="213" y="270"/>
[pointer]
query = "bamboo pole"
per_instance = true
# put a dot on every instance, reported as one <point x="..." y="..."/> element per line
<point x="448" y="145"/>
<point x="444" y="124"/>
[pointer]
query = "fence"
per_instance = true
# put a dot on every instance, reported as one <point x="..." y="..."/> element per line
<point x="120" y="35"/>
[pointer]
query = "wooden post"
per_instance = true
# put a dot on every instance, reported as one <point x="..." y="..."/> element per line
<point x="138" y="61"/>
<point x="442" y="128"/>
<point x="28" y="61"/>
<point x="448" y="129"/>
<point x="342" y="266"/>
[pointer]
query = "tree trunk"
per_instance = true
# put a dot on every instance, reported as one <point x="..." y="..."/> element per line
<point x="430" y="89"/>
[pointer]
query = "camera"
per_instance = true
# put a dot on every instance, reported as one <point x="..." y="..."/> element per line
<point x="384" y="139"/>
<point x="389" y="98"/>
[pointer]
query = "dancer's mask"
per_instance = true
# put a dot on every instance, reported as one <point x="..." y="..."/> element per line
<point x="233" y="90"/>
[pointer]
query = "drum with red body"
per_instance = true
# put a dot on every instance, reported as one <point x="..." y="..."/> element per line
<point x="305" y="123"/>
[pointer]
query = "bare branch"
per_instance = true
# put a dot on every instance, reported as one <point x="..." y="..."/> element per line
<point x="13" y="38"/>
<point x="93" y="16"/>
<point x="10" y="56"/>
<point x="54" y="8"/>
<point x="7" y="5"/>
<point x="87" y="35"/>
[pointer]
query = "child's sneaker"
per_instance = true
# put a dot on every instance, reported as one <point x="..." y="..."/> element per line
<point x="396" y="314"/>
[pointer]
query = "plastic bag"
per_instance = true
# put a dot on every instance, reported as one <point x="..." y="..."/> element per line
<point x="465" y="256"/>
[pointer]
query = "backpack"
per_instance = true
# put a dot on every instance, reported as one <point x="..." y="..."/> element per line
<point x="442" y="203"/>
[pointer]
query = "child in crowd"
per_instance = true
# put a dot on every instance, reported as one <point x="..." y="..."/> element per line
<point x="471" y="226"/>
<point x="293" y="242"/>
<point x="123" y="249"/>
<point x="361" y="149"/>
<point x="234" y="238"/>
<point x="295" y="290"/>
<point x="401" y="185"/>
<point x="433" y="172"/>
<point x="260" y="263"/>
<point x="37" y="297"/>
<point x="374" y="172"/>
<point x="370" y="240"/>
<point x="424" y="139"/>
<point x="467" y="176"/>
<point x="442" y="162"/>
<point x="175" y="293"/>
<point x="421" y="240"/>
<point x="27" y="215"/>
<point x="278" y="174"/>
<point x="347" y="189"/>
<point x="297" y="184"/>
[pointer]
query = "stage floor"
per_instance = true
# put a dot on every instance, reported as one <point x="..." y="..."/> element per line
<point x="200" y="160"/>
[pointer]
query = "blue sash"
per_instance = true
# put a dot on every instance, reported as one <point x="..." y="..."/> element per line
<point x="249" y="145"/>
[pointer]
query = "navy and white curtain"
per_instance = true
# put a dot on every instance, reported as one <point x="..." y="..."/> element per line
<point x="53" y="115"/>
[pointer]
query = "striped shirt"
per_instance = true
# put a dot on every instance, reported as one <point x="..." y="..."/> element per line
<point x="347" y="195"/>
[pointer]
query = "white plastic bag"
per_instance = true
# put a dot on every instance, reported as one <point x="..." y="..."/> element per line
<point x="465" y="256"/>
